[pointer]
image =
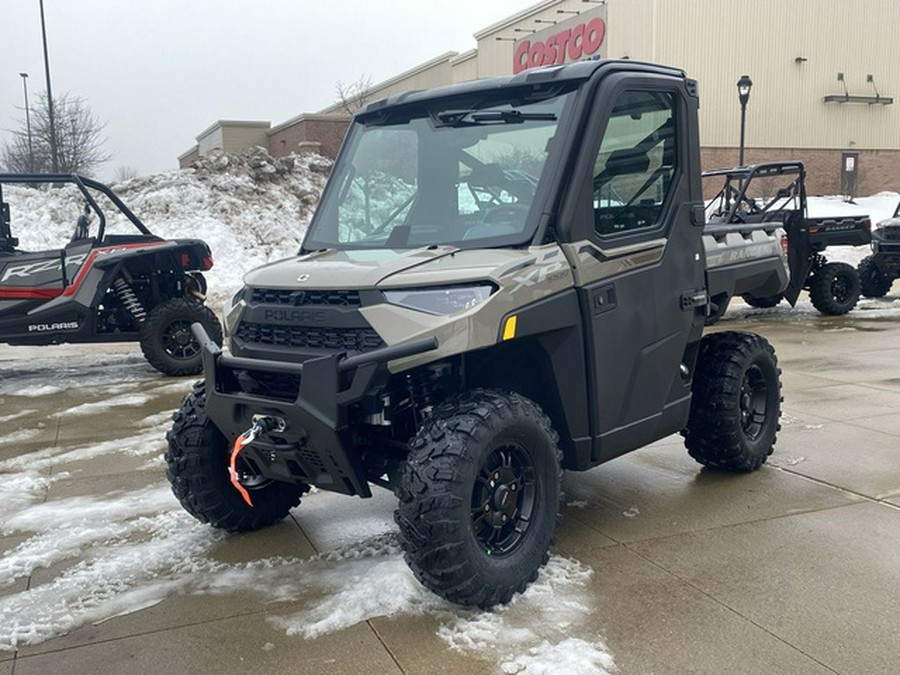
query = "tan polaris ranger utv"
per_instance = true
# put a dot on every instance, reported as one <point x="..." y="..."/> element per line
<point x="504" y="279"/>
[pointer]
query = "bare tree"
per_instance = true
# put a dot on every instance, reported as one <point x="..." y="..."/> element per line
<point x="79" y="139"/>
<point x="124" y="172"/>
<point x="355" y="95"/>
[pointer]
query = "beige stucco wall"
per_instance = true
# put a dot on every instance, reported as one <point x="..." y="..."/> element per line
<point x="209" y="140"/>
<point x="236" y="137"/>
<point x="232" y="136"/>
<point x="716" y="41"/>
<point x="792" y="49"/>
<point x="434" y="73"/>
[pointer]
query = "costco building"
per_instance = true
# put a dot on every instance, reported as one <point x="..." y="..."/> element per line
<point x="825" y="75"/>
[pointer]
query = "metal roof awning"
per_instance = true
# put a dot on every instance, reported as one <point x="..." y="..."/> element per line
<point x="847" y="98"/>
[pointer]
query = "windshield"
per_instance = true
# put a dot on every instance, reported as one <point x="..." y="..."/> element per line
<point x="459" y="176"/>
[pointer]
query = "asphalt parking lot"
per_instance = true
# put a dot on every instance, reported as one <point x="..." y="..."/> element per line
<point x="659" y="567"/>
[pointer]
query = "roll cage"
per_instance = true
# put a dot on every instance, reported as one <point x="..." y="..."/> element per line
<point x="84" y="185"/>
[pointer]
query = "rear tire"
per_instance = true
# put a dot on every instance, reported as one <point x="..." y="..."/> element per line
<point x="834" y="288"/>
<point x="479" y="497"/>
<point x="166" y="338"/>
<point x="736" y="402"/>
<point x="197" y="462"/>
<point x="762" y="303"/>
<point x="873" y="283"/>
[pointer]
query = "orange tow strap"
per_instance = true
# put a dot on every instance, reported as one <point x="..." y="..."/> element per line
<point x="239" y="444"/>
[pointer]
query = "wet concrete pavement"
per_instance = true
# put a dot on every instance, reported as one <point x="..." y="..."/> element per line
<point x="660" y="566"/>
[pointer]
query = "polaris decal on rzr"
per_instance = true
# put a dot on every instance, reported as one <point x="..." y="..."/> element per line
<point x="25" y="271"/>
<point x="64" y="325"/>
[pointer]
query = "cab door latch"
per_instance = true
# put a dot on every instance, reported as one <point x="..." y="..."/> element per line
<point x="693" y="299"/>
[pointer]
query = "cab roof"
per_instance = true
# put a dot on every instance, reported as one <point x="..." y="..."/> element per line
<point x="549" y="76"/>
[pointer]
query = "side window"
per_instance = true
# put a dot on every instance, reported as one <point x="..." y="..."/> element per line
<point x="634" y="168"/>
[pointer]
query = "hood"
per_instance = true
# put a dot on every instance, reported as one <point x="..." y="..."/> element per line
<point x="368" y="269"/>
<point x="334" y="269"/>
<point x="890" y="223"/>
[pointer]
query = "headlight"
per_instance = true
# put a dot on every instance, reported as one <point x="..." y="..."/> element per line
<point x="440" y="301"/>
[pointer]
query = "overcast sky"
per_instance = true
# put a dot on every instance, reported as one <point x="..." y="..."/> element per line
<point x="161" y="71"/>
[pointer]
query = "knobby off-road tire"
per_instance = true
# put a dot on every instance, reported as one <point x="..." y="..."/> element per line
<point x="736" y="402"/>
<point x="166" y="338"/>
<point x="479" y="497"/>
<point x="198" y="471"/>
<point x="762" y="303"/>
<point x="872" y="281"/>
<point x="834" y="288"/>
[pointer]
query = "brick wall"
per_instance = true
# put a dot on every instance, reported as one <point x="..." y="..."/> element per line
<point x="327" y="131"/>
<point x="879" y="170"/>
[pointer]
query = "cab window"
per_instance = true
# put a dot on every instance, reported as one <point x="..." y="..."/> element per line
<point x="634" y="169"/>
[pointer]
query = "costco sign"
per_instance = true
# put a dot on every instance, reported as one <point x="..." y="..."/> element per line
<point x="571" y="44"/>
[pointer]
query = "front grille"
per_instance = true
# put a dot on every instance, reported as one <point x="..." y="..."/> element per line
<point x="274" y="296"/>
<point x="330" y="339"/>
<point x="274" y="385"/>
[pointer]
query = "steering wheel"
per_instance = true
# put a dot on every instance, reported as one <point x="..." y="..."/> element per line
<point x="505" y="213"/>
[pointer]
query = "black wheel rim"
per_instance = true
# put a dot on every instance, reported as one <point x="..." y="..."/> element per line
<point x="503" y="500"/>
<point x="754" y="401"/>
<point x="840" y="289"/>
<point x="178" y="341"/>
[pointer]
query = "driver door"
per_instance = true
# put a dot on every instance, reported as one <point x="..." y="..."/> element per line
<point x="638" y="258"/>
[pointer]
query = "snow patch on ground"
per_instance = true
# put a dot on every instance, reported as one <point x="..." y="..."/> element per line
<point x="127" y="551"/>
<point x="572" y="655"/>
<point x="15" y="415"/>
<point x="19" y="436"/>
<point x="132" y="400"/>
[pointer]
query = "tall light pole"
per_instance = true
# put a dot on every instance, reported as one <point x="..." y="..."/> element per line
<point x="743" y="86"/>
<point x="24" y="77"/>
<point x="54" y="153"/>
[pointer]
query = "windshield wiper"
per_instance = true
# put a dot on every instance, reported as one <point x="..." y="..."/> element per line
<point x="466" y="118"/>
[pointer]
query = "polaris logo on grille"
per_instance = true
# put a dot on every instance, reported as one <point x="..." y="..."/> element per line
<point x="295" y="316"/>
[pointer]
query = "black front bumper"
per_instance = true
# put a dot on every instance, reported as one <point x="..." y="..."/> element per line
<point x="315" y="445"/>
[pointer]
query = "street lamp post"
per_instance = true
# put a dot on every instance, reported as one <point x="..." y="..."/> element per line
<point x="54" y="152"/>
<point x="743" y="86"/>
<point x="24" y="77"/>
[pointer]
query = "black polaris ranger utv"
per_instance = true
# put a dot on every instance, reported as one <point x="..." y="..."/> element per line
<point x="878" y="271"/>
<point x="503" y="279"/>
<point x="104" y="287"/>
<point x="775" y="193"/>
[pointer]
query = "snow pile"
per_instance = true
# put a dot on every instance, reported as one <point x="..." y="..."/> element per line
<point x="249" y="207"/>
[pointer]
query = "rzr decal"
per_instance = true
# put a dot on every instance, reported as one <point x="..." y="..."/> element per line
<point x="82" y="260"/>
<point x="30" y="269"/>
